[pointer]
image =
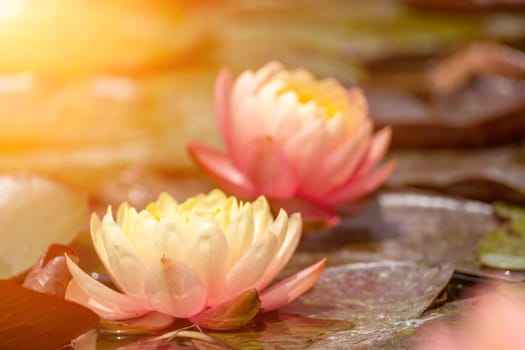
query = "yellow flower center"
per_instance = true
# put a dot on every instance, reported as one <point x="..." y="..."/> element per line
<point x="327" y="94"/>
<point x="215" y="206"/>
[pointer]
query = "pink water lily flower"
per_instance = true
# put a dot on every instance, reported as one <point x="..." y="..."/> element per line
<point x="301" y="142"/>
<point x="209" y="259"/>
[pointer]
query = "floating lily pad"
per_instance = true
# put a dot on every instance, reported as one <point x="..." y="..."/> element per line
<point x="392" y="336"/>
<point x="282" y="331"/>
<point x="489" y="175"/>
<point x="504" y="248"/>
<point x="509" y="212"/>
<point x="408" y="225"/>
<point x="364" y="293"/>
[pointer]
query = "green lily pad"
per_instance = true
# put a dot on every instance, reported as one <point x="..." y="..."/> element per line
<point x="504" y="248"/>
<point x="509" y="212"/>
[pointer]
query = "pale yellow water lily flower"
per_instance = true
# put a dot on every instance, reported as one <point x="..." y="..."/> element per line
<point x="185" y="260"/>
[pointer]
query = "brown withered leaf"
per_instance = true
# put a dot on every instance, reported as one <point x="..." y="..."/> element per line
<point x="468" y="5"/>
<point x="487" y="58"/>
<point x="50" y="275"/>
<point x="34" y="320"/>
<point x="472" y="97"/>
<point x="232" y="314"/>
<point x="489" y="112"/>
<point x="487" y="174"/>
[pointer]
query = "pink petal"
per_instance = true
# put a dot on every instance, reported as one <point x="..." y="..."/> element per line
<point x="101" y="299"/>
<point x="174" y="289"/>
<point x="269" y="169"/>
<point x="246" y="113"/>
<point x="363" y="185"/>
<point x="220" y="167"/>
<point x="292" y="287"/>
<point x="343" y="161"/>
<point x="222" y="92"/>
<point x="305" y="149"/>
<point x="208" y="256"/>
<point x="266" y="72"/>
<point x="358" y="103"/>
<point x="280" y="115"/>
<point x="378" y="148"/>
<point x="289" y="237"/>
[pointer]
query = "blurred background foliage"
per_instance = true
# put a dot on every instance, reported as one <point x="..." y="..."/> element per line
<point x="101" y="94"/>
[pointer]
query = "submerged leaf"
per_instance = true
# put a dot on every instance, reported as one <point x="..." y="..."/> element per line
<point x="34" y="320"/>
<point x="281" y="331"/>
<point x="232" y="314"/>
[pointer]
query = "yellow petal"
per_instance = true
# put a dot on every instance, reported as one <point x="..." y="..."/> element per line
<point x="240" y="233"/>
<point x="174" y="289"/>
<point x="208" y="255"/>
<point x="251" y="267"/>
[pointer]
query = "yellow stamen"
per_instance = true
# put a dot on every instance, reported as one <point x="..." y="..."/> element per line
<point x="327" y="94"/>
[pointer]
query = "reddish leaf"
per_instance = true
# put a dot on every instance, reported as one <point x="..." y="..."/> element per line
<point x="33" y="320"/>
<point x="51" y="275"/>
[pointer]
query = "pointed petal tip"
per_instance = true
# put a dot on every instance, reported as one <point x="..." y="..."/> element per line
<point x="225" y="74"/>
<point x="292" y="287"/>
<point x="387" y="169"/>
<point x="362" y="186"/>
